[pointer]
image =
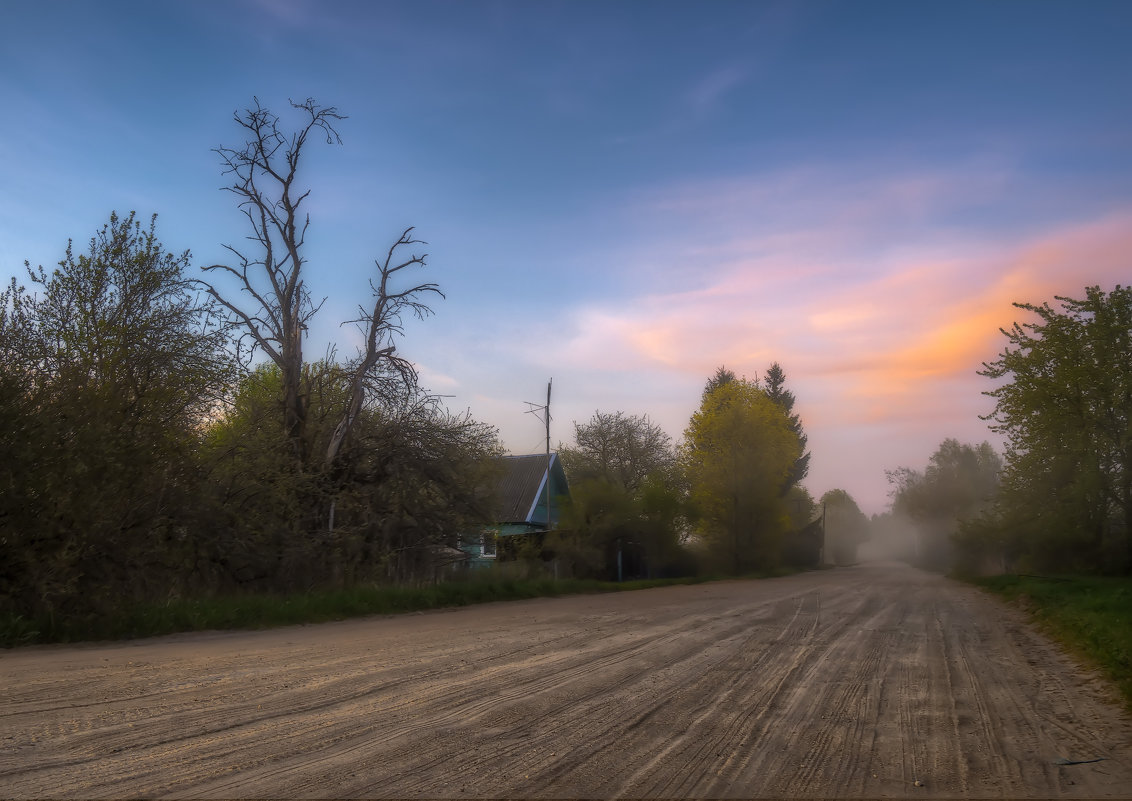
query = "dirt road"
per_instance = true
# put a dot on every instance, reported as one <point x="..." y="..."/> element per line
<point x="877" y="680"/>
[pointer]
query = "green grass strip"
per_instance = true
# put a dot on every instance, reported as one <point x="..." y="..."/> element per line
<point x="1091" y="616"/>
<point x="267" y="611"/>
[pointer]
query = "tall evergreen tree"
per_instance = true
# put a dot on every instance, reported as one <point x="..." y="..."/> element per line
<point x="777" y="392"/>
<point x="719" y="378"/>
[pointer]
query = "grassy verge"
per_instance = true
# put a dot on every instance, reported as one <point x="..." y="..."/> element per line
<point x="1091" y="616"/>
<point x="266" y="611"/>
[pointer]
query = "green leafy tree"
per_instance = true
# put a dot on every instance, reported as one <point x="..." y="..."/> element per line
<point x="412" y="479"/>
<point x="116" y="363"/>
<point x="846" y="527"/>
<point x="738" y="450"/>
<point x="959" y="483"/>
<point x="420" y="478"/>
<point x="626" y="498"/>
<point x="663" y="525"/>
<point x="803" y="544"/>
<point x="264" y="537"/>
<point x="599" y="520"/>
<point x="1064" y="403"/>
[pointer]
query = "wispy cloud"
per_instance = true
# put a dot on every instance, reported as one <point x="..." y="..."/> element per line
<point x="712" y="89"/>
<point x="294" y="14"/>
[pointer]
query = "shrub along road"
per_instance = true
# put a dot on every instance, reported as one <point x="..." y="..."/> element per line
<point x="876" y="680"/>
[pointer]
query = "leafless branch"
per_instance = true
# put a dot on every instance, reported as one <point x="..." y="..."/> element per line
<point x="380" y="325"/>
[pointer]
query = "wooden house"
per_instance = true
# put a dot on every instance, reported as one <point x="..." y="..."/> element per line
<point x="526" y="504"/>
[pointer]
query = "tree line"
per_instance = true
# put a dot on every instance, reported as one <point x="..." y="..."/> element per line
<point x="726" y="499"/>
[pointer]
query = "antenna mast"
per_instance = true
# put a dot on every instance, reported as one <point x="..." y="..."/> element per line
<point x="545" y="412"/>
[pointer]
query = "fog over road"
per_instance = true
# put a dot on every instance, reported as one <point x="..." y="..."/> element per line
<point x="875" y="680"/>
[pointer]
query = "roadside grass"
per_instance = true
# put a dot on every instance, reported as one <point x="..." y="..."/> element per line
<point x="267" y="611"/>
<point x="1091" y="616"/>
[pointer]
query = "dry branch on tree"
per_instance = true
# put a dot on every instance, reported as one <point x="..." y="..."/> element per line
<point x="380" y="324"/>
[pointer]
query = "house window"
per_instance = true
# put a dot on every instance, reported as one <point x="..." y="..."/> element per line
<point x="488" y="542"/>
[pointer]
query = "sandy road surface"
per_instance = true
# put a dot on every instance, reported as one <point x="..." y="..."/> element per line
<point x="852" y="682"/>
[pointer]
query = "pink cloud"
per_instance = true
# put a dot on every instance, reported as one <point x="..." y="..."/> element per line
<point x="891" y="351"/>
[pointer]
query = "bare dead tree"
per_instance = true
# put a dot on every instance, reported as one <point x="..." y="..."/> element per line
<point x="264" y="179"/>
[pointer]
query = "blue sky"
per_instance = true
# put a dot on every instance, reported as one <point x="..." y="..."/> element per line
<point x="624" y="195"/>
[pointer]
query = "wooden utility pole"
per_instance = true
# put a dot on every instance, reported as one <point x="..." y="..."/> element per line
<point x="548" y="517"/>
<point x="545" y="410"/>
